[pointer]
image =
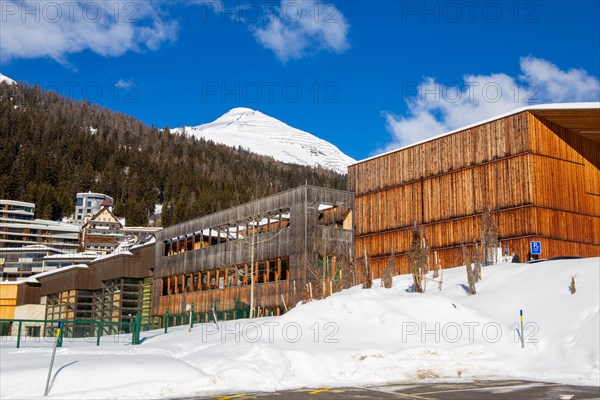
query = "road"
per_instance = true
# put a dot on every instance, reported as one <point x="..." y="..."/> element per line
<point x="481" y="390"/>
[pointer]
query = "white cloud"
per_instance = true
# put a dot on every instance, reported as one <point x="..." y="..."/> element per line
<point x="435" y="108"/>
<point x="35" y="29"/>
<point x="124" y="84"/>
<point x="559" y="86"/>
<point x="299" y="28"/>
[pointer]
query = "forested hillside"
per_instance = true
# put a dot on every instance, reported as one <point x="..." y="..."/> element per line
<point x="52" y="147"/>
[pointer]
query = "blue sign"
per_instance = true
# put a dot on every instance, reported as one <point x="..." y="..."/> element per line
<point x="536" y="248"/>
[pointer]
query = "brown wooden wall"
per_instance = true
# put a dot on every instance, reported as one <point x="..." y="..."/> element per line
<point x="540" y="180"/>
<point x="495" y="140"/>
<point x="266" y="295"/>
<point x="303" y="229"/>
<point x="69" y="279"/>
<point x="29" y="293"/>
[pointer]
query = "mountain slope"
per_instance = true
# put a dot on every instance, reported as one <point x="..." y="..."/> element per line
<point x="265" y="135"/>
<point x="4" y="78"/>
<point x="52" y="147"/>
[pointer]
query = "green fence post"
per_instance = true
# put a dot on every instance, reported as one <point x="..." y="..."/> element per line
<point x="19" y="335"/>
<point x="98" y="333"/>
<point x="61" y="333"/>
<point x="137" y="328"/>
<point x="192" y="316"/>
<point x="166" y="321"/>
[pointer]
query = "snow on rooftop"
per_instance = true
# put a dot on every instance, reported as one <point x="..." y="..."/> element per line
<point x="86" y="254"/>
<point x="60" y="270"/>
<point x="33" y="247"/>
<point x="550" y="106"/>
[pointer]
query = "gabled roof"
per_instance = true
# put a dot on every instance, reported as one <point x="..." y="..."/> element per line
<point x="102" y="210"/>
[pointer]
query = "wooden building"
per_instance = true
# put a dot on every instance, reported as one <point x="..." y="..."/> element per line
<point x="112" y="288"/>
<point x="536" y="169"/>
<point x="286" y="236"/>
<point x="19" y="299"/>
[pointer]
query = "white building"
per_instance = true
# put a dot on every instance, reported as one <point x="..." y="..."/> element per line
<point x="18" y="228"/>
<point x="22" y="262"/>
<point x="89" y="204"/>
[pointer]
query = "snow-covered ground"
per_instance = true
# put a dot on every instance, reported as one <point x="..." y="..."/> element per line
<point x="356" y="337"/>
<point x="265" y="135"/>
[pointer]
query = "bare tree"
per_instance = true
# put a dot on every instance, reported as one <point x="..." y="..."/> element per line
<point x="418" y="256"/>
<point x="572" y="287"/>
<point x="389" y="271"/>
<point x="436" y="267"/>
<point x="256" y="230"/>
<point x="489" y="238"/>
<point x="467" y="260"/>
<point x="322" y="264"/>
<point x="476" y="262"/>
<point x="348" y="271"/>
<point x="367" y="278"/>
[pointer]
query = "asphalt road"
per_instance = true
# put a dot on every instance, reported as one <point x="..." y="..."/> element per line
<point x="482" y="390"/>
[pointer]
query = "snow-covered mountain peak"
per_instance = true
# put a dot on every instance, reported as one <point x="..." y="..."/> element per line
<point x="4" y="78"/>
<point x="265" y="135"/>
<point x="241" y="110"/>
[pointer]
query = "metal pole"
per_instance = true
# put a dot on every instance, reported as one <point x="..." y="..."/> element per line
<point x="58" y="333"/>
<point x="522" y="331"/>
<point x="215" y="314"/>
<point x="98" y="333"/>
<point x="19" y="335"/>
<point x="61" y="333"/>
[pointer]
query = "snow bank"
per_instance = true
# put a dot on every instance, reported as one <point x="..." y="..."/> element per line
<point x="357" y="337"/>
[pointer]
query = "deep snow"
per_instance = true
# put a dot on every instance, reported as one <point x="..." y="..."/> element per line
<point x="356" y="337"/>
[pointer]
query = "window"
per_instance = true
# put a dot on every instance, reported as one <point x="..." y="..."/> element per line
<point x="33" y="331"/>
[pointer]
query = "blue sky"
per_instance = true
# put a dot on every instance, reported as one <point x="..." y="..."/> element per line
<point x="365" y="75"/>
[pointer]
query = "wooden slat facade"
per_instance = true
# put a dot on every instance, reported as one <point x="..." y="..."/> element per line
<point x="540" y="179"/>
<point x="177" y="268"/>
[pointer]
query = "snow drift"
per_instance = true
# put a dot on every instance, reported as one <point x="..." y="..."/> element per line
<point x="356" y="337"/>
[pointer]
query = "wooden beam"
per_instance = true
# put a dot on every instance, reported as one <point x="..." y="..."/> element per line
<point x="278" y="273"/>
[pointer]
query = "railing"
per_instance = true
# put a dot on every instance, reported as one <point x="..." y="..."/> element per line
<point x="76" y="328"/>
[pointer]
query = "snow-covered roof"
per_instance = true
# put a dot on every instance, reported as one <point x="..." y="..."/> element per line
<point x="150" y="241"/>
<point x="41" y="223"/>
<point x="117" y="252"/>
<point x="33" y="278"/>
<point x="76" y="256"/>
<point x="33" y="247"/>
<point x="551" y="106"/>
